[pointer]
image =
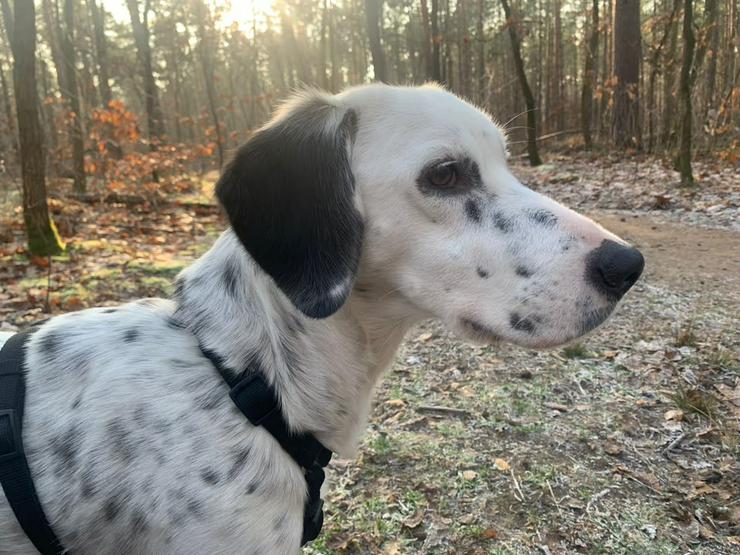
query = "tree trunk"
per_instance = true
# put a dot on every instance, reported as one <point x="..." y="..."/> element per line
<point x="464" y="49"/>
<point x="481" y="58"/>
<point x="669" y="112"/>
<point x="436" y="42"/>
<point x="206" y="49"/>
<point x="9" y="118"/>
<point x="373" y="13"/>
<point x="587" y="92"/>
<point x="534" y="156"/>
<point x="43" y="239"/>
<point x="72" y="94"/>
<point x="655" y="60"/>
<point x="140" y="25"/>
<point x="428" y="39"/>
<point x="712" y="16"/>
<point x="627" y="55"/>
<point x="684" y="154"/>
<point x="97" y="14"/>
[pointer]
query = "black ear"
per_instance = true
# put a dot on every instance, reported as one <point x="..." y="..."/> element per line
<point x="290" y="196"/>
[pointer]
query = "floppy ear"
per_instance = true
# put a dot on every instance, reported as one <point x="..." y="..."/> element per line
<point x="290" y="196"/>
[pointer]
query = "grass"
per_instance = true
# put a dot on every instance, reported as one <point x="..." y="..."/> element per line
<point x="696" y="401"/>
<point x="685" y="336"/>
<point x="576" y="350"/>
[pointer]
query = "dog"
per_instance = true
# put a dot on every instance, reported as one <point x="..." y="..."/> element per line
<point x="352" y="217"/>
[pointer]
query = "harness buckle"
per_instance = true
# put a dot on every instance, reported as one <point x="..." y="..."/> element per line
<point x="10" y="439"/>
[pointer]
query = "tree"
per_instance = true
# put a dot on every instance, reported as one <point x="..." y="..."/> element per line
<point x="20" y="26"/>
<point x="534" y="155"/>
<point x="206" y="48"/>
<point x="587" y="91"/>
<point x="627" y="55"/>
<point x="72" y="95"/>
<point x="140" y="25"/>
<point x="373" y="11"/>
<point x="97" y="14"/>
<point x="684" y="86"/>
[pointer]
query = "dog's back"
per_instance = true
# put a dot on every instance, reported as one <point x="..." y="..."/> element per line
<point x="131" y="437"/>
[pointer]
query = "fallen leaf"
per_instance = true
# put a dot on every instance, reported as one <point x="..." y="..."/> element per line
<point x="490" y="534"/>
<point x="469" y="474"/>
<point x="674" y="414"/>
<point x="502" y="465"/>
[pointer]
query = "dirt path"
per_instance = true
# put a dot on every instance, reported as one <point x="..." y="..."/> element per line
<point x="685" y="258"/>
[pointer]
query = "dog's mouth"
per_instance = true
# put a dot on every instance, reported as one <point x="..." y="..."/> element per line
<point x="534" y="335"/>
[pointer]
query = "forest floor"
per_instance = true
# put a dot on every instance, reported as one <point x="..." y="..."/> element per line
<point x="626" y="442"/>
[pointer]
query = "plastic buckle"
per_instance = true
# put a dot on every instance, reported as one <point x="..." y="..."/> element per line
<point x="10" y="439"/>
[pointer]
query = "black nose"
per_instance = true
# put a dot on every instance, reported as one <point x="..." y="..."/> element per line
<point x="613" y="268"/>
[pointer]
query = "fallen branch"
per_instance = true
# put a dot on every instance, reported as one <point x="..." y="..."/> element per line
<point x="448" y="410"/>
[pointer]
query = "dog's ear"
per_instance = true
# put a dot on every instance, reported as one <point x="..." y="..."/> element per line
<point x="290" y="196"/>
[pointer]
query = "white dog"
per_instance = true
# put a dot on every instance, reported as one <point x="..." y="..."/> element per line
<point x="353" y="217"/>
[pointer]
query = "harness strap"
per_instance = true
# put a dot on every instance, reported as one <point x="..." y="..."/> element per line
<point x="15" y="476"/>
<point x="257" y="400"/>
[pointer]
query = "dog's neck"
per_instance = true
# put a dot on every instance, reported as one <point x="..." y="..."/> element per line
<point x="323" y="370"/>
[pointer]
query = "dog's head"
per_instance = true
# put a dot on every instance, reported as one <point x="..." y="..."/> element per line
<point x="409" y="189"/>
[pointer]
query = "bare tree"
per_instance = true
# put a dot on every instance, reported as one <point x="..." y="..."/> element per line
<point x="587" y="91"/>
<point x="97" y="14"/>
<point x="20" y="26"/>
<point x="373" y="12"/>
<point x="206" y="48"/>
<point x="72" y="95"/>
<point x="627" y="54"/>
<point x="684" y="154"/>
<point x="140" y="25"/>
<point x="534" y="155"/>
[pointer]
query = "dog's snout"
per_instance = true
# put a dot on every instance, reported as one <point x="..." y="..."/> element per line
<point x="613" y="268"/>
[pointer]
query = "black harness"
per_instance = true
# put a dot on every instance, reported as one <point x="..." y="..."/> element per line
<point x="252" y="395"/>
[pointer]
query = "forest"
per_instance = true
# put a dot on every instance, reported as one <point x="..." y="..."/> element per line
<point x="118" y="115"/>
<point x="125" y="93"/>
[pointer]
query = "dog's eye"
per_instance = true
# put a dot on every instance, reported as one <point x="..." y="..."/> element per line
<point x="444" y="174"/>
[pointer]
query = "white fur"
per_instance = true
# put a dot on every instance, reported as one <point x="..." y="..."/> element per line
<point x="134" y="444"/>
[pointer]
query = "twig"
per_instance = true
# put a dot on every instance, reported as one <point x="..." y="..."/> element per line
<point x="437" y="408"/>
<point x="595" y="498"/>
<point x="651" y="488"/>
<point x="580" y="387"/>
<point x="552" y="494"/>
<point x="516" y="486"/>
<point x="555" y="406"/>
<point x="47" y="305"/>
<point x="673" y="444"/>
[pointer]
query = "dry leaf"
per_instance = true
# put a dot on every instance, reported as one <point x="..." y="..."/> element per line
<point x="502" y="465"/>
<point x="469" y="474"/>
<point x="675" y="414"/>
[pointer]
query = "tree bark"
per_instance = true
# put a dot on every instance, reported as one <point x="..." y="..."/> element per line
<point x="97" y="14"/>
<point x="481" y="58"/>
<point x="534" y="156"/>
<point x="627" y="55"/>
<point x="9" y="118"/>
<point x="712" y="16"/>
<point x="463" y="48"/>
<point x="436" y="42"/>
<point x="373" y="13"/>
<point x="587" y="92"/>
<point x="684" y="154"/>
<point x="140" y="26"/>
<point x="20" y="23"/>
<point x="206" y="48"/>
<point x="667" y="137"/>
<point x="428" y="39"/>
<point x="72" y="95"/>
